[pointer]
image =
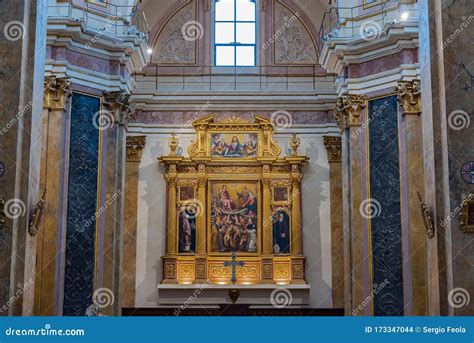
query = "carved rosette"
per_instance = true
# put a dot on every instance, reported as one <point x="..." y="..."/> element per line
<point x="57" y="92"/>
<point x="333" y="146"/>
<point x="409" y="96"/>
<point x="348" y="112"/>
<point x="119" y="105"/>
<point x="135" y="145"/>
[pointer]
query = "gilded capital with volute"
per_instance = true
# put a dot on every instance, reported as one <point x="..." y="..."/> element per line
<point x="348" y="110"/>
<point x="135" y="145"/>
<point x="57" y="92"/>
<point x="409" y="96"/>
<point x="333" y="146"/>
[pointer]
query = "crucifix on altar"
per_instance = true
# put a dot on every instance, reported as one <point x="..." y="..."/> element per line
<point x="234" y="263"/>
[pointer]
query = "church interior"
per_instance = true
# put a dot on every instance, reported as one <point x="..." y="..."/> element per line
<point x="236" y="157"/>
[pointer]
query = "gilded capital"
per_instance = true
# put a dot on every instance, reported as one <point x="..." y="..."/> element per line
<point x="135" y="145"/>
<point x="119" y="105"/>
<point x="409" y="96"/>
<point x="349" y="110"/>
<point x="57" y="92"/>
<point x="333" y="146"/>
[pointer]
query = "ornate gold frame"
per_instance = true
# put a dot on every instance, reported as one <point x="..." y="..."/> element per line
<point x="268" y="170"/>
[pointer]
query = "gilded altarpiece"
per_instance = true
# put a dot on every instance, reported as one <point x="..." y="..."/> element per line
<point x="233" y="194"/>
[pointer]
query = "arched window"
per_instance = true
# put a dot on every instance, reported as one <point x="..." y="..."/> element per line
<point x="235" y="33"/>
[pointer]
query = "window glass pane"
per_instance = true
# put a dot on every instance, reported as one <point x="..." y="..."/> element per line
<point x="245" y="56"/>
<point x="246" y="33"/>
<point x="245" y="10"/>
<point x="224" y="33"/>
<point x="225" y="10"/>
<point x="225" y="56"/>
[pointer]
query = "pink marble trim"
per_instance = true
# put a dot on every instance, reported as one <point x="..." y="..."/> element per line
<point x="184" y="117"/>
<point x="82" y="60"/>
<point x="381" y="64"/>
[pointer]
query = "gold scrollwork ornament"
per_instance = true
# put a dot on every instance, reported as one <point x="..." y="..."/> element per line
<point x="427" y="218"/>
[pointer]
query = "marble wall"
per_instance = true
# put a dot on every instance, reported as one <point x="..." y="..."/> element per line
<point x="152" y="217"/>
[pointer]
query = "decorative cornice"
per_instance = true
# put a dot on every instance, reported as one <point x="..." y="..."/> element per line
<point x="409" y="96"/>
<point x="333" y="146"/>
<point x="349" y="109"/>
<point x="135" y="145"/>
<point x="120" y="106"/>
<point x="57" y="92"/>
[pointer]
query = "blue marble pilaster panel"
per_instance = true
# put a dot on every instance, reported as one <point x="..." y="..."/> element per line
<point x="385" y="194"/>
<point x="81" y="206"/>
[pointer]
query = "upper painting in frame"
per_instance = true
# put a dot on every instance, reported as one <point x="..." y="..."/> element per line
<point x="234" y="144"/>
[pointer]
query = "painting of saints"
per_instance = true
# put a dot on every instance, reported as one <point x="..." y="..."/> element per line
<point x="281" y="233"/>
<point x="187" y="233"/>
<point x="234" y="145"/>
<point x="234" y="217"/>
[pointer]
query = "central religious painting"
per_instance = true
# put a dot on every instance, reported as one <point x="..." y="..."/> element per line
<point x="234" y="216"/>
<point x="233" y="195"/>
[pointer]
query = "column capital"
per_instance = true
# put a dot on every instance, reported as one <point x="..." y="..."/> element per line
<point x="333" y="146"/>
<point x="56" y="92"/>
<point x="120" y="106"/>
<point x="135" y="145"/>
<point x="349" y="109"/>
<point x="409" y="96"/>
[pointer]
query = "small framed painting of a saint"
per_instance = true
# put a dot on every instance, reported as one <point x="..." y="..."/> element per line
<point x="281" y="232"/>
<point x="186" y="232"/>
<point x="280" y="194"/>
<point x="186" y="193"/>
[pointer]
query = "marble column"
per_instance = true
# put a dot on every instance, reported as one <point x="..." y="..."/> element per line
<point x="117" y="110"/>
<point x="134" y="146"/>
<point x="446" y="52"/>
<point x="53" y="179"/>
<point x="22" y="60"/>
<point x="414" y="233"/>
<point x="333" y="145"/>
<point x="348" y="114"/>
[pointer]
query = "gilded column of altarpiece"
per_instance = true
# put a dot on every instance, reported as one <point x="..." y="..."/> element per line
<point x="233" y="194"/>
